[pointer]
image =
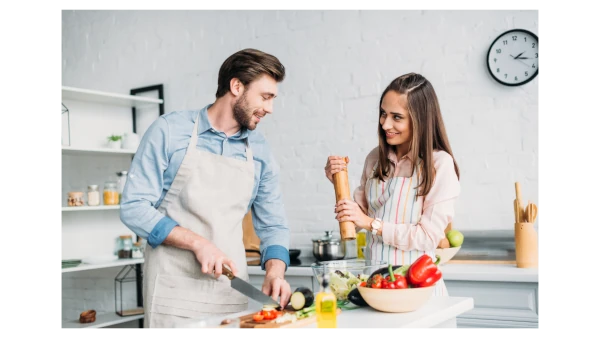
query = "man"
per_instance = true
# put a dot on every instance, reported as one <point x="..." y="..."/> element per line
<point x="194" y="177"/>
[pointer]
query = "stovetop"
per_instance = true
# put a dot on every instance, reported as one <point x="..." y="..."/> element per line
<point x="303" y="261"/>
<point x="299" y="262"/>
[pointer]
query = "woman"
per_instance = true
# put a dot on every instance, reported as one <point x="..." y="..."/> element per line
<point x="409" y="182"/>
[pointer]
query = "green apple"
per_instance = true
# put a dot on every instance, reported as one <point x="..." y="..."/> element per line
<point x="455" y="238"/>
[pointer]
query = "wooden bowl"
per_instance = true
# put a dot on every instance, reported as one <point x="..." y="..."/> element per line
<point x="446" y="254"/>
<point x="396" y="300"/>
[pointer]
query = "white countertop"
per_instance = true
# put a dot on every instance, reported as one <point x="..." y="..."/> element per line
<point x="471" y="272"/>
<point x="437" y="311"/>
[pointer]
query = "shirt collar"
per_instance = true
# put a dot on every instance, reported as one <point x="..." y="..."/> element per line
<point x="204" y="125"/>
<point x="394" y="158"/>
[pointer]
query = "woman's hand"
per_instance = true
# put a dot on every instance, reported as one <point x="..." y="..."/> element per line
<point x="348" y="210"/>
<point x="335" y="164"/>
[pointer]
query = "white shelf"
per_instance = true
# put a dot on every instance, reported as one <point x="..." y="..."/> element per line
<point x="76" y="150"/>
<point x="120" y="262"/>
<point x="102" y="320"/>
<point x="81" y="94"/>
<point x="88" y="208"/>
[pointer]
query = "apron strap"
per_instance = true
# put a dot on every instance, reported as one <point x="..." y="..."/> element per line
<point x="194" y="139"/>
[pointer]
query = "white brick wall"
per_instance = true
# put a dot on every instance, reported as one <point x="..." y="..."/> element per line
<point x="337" y="62"/>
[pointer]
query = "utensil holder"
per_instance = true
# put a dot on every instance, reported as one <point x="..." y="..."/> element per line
<point x="342" y="190"/>
<point x="526" y="245"/>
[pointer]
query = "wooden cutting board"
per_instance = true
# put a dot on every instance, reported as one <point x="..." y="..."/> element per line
<point x="246" y="322"/>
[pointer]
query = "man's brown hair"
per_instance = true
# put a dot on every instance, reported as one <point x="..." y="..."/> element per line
<point x="247" y="65"/>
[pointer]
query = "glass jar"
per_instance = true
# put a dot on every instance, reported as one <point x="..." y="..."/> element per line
<point x="124" y="246"/>
<point x="137" y="250"/>
<point x="75" y="199"/>
<point x="121" y="182"/>
<point x="111" y="193"/>
<point x="93" y="195"/>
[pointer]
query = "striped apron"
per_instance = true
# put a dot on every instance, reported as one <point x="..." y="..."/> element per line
<point x="395" y="201"/>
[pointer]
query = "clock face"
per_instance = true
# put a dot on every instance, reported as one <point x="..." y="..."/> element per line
<point x="513" y="57"/>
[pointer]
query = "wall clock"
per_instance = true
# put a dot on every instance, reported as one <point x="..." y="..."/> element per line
<point x="513" y="57"/>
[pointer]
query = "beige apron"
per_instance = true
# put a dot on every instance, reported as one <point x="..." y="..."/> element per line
<point x="210" y="196"/>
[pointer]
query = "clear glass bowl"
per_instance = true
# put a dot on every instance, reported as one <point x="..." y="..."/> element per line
<point x="356" y="267"/>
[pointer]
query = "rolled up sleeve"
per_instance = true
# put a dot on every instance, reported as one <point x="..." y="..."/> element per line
<point x="145" y="185"/>
<point x="268" y="217"/>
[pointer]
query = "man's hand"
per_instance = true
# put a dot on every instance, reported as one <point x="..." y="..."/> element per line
<point x="207" y="254"/>
<point x="211" y="258"/>
<point x="274" y="284"/>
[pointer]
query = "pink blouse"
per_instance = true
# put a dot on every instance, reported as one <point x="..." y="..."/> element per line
<point x="438" y="205"/>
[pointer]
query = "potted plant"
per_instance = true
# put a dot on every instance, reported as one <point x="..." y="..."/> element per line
<point x="114" y="141"/>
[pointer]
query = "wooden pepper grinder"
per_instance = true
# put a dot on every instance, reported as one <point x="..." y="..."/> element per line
<point x="342" y="190"/>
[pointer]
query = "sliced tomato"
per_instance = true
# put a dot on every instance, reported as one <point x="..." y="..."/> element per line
<point x="258" y="317"/>
<point x="268" y="315"/>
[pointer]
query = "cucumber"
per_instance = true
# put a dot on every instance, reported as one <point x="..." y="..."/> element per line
<point x="302" y="298"/>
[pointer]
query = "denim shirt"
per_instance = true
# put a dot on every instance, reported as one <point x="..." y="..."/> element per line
<point x="158" y="158"/>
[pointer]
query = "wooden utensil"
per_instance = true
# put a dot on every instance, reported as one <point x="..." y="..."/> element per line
<point x="531" y="211"/>
<point x="342" y="190"/>
<point x="247" y="322"/>
<point x="518" y="206"/>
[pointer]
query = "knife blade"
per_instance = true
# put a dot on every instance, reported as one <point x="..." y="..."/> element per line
<point x="248" y="290"/>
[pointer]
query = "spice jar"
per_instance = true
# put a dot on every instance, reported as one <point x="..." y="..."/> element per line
<point x="137" y="250"/>
<point x="124" y="246"/>
<point x="93" y="195"/>
<point x="111" y="193"/>
<point x="75" y="199"/>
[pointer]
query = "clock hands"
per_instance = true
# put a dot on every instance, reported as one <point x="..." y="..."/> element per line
<point x="517" y="57"/>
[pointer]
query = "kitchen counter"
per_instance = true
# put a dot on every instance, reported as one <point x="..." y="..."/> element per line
<point x="438" y="312"/>
<point x="471" y="272"/>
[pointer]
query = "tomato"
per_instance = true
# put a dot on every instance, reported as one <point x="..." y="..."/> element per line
<point x="258" y="317"/>
<point x="363" y="284"/>
<point x="268" y="315"/>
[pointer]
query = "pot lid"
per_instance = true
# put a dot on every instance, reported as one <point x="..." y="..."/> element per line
<point x="328" y="238"/>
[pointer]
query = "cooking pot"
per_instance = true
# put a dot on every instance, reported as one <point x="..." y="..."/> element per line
<point x="328" y="248"/>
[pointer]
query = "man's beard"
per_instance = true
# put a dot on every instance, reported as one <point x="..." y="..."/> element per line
<point x="242" y="114"/>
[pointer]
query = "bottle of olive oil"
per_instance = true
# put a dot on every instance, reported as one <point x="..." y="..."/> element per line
<point x="326" y="305"/>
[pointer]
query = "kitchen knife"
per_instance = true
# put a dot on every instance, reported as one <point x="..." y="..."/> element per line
<point x="247" y="289"/>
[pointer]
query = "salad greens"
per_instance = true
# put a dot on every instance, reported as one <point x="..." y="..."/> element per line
<point x="341" y="283"/>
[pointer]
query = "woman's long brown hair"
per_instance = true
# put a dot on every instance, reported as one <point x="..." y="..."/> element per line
<point x="428" y="131"/>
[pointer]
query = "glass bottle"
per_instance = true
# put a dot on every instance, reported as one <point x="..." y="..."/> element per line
<point x="326" y="304"/>
<point x="121" y="182"/>
<point x="124" y="246"/>
<point x="93" y="195"/>
<point x="111" y="193"/>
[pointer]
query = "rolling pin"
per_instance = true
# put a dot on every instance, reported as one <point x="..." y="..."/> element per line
<point x="342" y="191"/>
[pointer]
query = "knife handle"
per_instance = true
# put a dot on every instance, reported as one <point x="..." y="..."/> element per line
<point x="228" y="272"/>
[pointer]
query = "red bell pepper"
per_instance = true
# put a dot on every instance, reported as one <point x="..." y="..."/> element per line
<point x="431" y="279"/>
<point x="394" y="281"/>
<point x="422" y="269"/>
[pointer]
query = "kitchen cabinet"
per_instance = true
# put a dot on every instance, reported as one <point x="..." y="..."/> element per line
<point x="91" y="116"/>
